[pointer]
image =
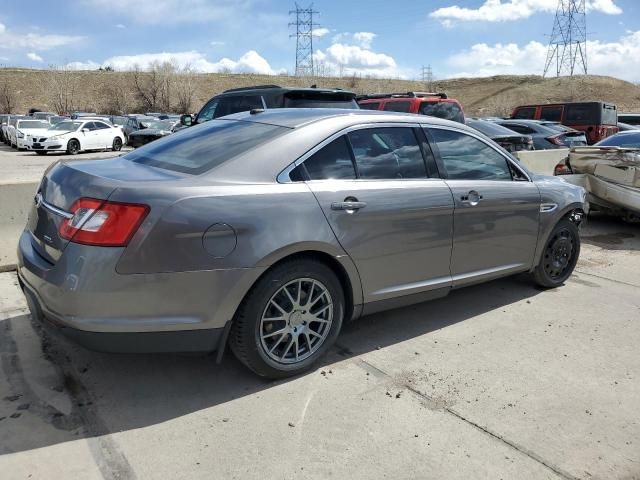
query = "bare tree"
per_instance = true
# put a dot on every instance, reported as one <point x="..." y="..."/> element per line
<point x="62" y="84"/>
<point x="185" y="89"/>
<point x="7" y="98"/>
<point x="153" y="86"/>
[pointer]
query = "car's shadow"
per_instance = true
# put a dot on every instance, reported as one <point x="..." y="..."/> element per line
<point x="146" y="390"/>
<point x="611" y="233"/>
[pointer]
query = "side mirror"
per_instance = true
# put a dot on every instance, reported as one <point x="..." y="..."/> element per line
<point x="186" y="120"/>
<point x="85" y="130"/>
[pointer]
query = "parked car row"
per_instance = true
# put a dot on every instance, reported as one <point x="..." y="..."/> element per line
<point x="44" y="132"/>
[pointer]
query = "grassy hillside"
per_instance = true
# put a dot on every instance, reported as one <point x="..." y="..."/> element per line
<point x="100" y="91"/>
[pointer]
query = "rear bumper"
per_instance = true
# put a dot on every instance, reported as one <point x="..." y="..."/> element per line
<point x="87" y="300"/>
<point x="203" y="340"/>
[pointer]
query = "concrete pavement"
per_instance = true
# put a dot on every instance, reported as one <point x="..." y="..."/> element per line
<point x="500" y="380"/>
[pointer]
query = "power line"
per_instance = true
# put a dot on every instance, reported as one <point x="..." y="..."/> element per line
<point x="568" y="42"/>
<point x="304" y="39"/>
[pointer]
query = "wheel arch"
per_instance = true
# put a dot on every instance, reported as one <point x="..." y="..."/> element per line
<point x="574" y="210"/>
<point x="341" y="265"/>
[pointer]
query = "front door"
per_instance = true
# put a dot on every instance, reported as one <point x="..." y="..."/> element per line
<point x="496" y="208"/>
<point x="393" y="220"/>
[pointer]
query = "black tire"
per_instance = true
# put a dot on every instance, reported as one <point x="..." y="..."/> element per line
<point x="73" y="147"/>
<point x="245" y="336"/>
<point x="40" y="152"/>
<point x="116" y="146"/>
<point x="560" y="255"/>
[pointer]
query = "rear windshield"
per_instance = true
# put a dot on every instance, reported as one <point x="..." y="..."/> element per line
<point x="305" y="99"/>
<point x="199" y="149"/>
<point x="628" y="140"/>
<point x="32" y="124"/>
<point x="591" y="114"/>
<point x="490" y="129"/>
<point x="446" y="110"/>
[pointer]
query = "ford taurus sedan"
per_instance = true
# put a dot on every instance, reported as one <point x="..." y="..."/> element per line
<point x="268" y="230"/>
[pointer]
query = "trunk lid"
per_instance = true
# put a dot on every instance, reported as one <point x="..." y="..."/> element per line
<point x="65" y="182"/>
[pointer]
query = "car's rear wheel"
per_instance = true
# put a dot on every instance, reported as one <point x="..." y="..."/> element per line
<point x="117" y="144"/>
<point x="73" y="147"/>
<point x="560" y="255"/>
<point x="40" y="152"/>
<point x="289" y="319"/>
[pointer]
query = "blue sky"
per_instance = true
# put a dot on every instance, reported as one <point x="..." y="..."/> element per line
<point x="366" y="37"/>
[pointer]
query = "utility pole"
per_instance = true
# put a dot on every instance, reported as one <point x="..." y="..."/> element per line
<point x="304" y="39"/>
<point x="567" y="53"/>
<point x="427" y="77"/>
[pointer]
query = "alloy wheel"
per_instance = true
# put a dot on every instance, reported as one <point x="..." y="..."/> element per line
<point x="296" y="321"/>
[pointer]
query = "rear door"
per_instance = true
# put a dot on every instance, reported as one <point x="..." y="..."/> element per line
<point x="497" y="208"/>
<point x="89" y="138"/>
<point x="387" y="208"/>
<point x="104" y="135"/>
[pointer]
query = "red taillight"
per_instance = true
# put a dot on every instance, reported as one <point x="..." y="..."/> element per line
<point x="562" y="168"/>
<point x="103" y="223"/>
<point x="556" y="140"/>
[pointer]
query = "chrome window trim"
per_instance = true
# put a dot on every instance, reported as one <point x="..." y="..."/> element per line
<point x="283" y="176"/>
<point x="509" y="160"/>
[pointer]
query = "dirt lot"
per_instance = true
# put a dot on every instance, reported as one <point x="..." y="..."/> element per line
<point x="496" y="381"/>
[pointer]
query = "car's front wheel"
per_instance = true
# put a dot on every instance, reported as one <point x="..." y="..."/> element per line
<point x="117" y="144"/>
<point x="560" y="255"/>
<point x="289" y="319"/>
<point x="73" y="147"/>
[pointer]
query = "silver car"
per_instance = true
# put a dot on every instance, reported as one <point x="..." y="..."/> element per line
<point x="268" y="230"/>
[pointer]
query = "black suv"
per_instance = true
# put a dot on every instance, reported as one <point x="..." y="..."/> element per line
<point x="270" y="96"/>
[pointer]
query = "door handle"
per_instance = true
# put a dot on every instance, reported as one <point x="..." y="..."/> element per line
<point x="347" y="205"/>
<point x="472" y="198"/>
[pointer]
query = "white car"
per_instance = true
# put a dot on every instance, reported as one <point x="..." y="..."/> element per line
<point x="73" y="136"/>
<point x="8" y="130"/>
<point x="25" y="129"/>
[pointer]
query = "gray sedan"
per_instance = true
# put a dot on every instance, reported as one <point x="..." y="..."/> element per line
<point x="268" y="230"/>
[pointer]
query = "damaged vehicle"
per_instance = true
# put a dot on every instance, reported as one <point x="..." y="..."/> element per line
<point x="610" y="173"/>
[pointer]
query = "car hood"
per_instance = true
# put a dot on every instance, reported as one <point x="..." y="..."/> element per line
<point x="150" y="131"/>
<point x="34" y="131"/>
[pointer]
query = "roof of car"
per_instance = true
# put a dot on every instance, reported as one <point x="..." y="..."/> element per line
<point x="298" y="117"/>
<point x="278" y="89"/>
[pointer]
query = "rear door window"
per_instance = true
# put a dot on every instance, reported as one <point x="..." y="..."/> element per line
<point x="397" y="107"/>
<point x="527" y="113"/>
<point x="446" y="110"/>
<point x="387" y="154"/>
<point x="370" y="106"/>
<point x="235" y="104"/>
<point x="467" y="158"/>
<point x="551" y="114"/>
<point x="331" y="162"/>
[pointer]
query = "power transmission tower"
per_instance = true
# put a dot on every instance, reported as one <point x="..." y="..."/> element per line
<point x="427" y="77"/>
<point x="568" y="43"/>
<point x="304" y="39"/>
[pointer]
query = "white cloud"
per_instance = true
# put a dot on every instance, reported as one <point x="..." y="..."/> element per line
<point x="509" y="10"/>
<point x="320" y="32"/>
<point x="157" y="12"/>
<point x="250" y="62"/>
<point x="347" y="58"/>
<point x="603" y="58"/>
<point x="34" y="41"/>
<point x="120" y="25"/>
<point x="34" y="57"/>
<point x="216" y="43"/>
<point x="364" y="39"/>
